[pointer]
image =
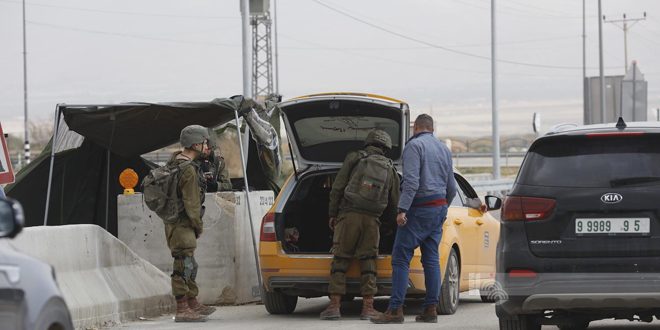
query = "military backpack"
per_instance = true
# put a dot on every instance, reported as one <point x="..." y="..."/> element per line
<point x="160" y="189"/>
<point x="368" y="188"/>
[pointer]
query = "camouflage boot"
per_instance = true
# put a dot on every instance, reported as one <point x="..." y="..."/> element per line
<point x="430" y="315"/>
<point x="368" y="310"/>
<point x="389" y="317"/>
<point x="332" y="311"/>
<point x="200" y="308"/>
<point x="185" y="314"/>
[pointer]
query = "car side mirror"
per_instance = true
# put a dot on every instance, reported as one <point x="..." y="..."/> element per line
<point x="493" y="203"/>
<point x="11" y="218"/>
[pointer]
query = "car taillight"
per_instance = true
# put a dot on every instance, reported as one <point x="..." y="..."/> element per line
<point x="611" y="134"/>
<point x="527" y="208"/>
<point x="268" y="228"/>
<point x="522" y="273"/>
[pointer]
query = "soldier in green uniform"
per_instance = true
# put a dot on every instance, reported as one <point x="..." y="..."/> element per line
<point x="366" y="188"/>
<point x="214" y="168"/>
<point x="182" y="235"/>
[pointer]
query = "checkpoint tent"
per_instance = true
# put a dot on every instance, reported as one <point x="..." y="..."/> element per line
<point x="92" y="144"/>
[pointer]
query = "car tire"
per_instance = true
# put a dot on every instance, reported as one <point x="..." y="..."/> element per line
<point x="279" y="303"/>
<point x="575" y="326"/>
<point x="522" y="322"/>
<point x="450" y="288"/>
<point x="54" y="316"/>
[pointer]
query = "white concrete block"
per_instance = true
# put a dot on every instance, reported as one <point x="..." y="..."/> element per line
<point x="227" y="271"/>
<point x="102" y="280"/>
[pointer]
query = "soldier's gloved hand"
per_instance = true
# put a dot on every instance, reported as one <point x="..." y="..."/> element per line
<point x="332" y="222"/>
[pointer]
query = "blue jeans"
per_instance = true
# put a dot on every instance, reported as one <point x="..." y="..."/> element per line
<point x="424" y="230"/>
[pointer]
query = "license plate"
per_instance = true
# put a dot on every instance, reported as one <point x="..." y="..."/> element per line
<point x="613" y="226"/>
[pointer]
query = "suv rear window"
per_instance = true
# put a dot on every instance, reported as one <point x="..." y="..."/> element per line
<point x="599" y="162"/>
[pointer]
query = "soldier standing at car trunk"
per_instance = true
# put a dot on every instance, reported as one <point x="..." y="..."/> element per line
<point x="428" y="187"/>
<point x="182" y="235"/>
<point x="366" y="187"/>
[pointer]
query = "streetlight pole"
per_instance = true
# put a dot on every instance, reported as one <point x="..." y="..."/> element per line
<point x="600" y="62"/>
<point x="25" y="95"/>
<point x="493" y="60"/>
<point x="247" y="60"/>
<point x="584" y="51"/>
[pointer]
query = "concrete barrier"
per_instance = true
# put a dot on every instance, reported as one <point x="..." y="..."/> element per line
<point x="102" y="280"/>
<point x="227" y="272"/>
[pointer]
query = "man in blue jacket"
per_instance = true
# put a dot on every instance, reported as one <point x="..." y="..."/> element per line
<point x="427" y="189"/>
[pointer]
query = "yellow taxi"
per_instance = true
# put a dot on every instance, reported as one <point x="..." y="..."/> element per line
<point x="295" y="239"/>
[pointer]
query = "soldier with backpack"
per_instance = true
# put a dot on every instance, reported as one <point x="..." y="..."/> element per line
<point x="366" y="188"/>
<point x="176" y="193"/>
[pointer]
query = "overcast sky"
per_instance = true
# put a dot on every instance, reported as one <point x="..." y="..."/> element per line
<point x="99" y="51"/>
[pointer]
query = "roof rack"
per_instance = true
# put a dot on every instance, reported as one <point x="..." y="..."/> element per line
<point x="561" y="127"/>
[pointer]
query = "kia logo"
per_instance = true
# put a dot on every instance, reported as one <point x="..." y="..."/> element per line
<point x="611" y="198"/>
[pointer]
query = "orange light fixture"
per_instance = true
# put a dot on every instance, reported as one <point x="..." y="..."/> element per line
<point x="128" y="179"/>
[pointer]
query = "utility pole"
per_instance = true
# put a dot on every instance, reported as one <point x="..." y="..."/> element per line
<point x="262" y="49"/>
<point x="25" y="95"/>
<point x="245" y="34"/>
<point x="277" y="63"/>
<point x="625" y="27"/>
<point x="493" y="63"/>
<point x="657" y="111"/>
<point x="600" y="62"/>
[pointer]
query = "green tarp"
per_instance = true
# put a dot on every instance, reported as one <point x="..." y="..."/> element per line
<point x="123" y="133"/>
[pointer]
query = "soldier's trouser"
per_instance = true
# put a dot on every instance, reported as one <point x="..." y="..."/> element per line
<point x="356" y="235"/>
<point x="182" y="244"/>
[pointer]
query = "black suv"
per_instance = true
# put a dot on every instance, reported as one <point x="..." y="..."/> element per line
<point x="580" y="232"/>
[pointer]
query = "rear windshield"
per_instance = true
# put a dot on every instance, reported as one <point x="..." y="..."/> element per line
<point x="578" y="161"/>
<point x="317" y="130"/>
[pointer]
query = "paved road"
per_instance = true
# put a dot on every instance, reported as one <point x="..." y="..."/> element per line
<point x="472" y="314"/>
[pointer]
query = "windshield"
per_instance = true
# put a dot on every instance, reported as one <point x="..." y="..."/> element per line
<point x="593" y="162"/>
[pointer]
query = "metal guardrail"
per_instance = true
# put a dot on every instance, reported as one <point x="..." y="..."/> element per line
<point x="494" y="187"/>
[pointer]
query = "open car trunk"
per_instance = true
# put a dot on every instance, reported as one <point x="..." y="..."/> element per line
<point x="304" y="219"/>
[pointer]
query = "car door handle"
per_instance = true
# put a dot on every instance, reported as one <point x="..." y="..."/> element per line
<point x="480" y="222"/>
<point x="458" y="221"/>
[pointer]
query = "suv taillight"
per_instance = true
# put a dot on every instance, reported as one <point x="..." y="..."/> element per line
<point x="527" y="208"/>
<point x="268" y="228"/>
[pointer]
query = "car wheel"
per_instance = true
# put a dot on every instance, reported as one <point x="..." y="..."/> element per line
<point x="54" y="316"/>
<point x="575" y="326"/>
<point x="522" y="322"/>
<point x="450" y="288"/>
<point x="279" y="303"/>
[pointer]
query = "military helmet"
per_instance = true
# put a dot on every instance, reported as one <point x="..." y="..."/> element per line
<point x="193" y="134"/>
<point x="380" y="138"/>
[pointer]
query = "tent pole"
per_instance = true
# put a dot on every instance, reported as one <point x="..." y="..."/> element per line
<point x="52" y="161"/>
<point x="107" y="187"/>
<point x="107" y="177"/>
<point x="247" y="199"/>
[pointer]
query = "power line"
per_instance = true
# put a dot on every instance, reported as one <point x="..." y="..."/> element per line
<point x="346" y="51"/>
<point x="511" y="10"/>
<point x="400" y="35"/>
<point x="127" y="35"/>
<point x="116" y="12"/>
<point x="518" y="42"/>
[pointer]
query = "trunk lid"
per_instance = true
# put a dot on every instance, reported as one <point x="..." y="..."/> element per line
<point x="323" y="128"/>
<point x="604" y="189"/>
